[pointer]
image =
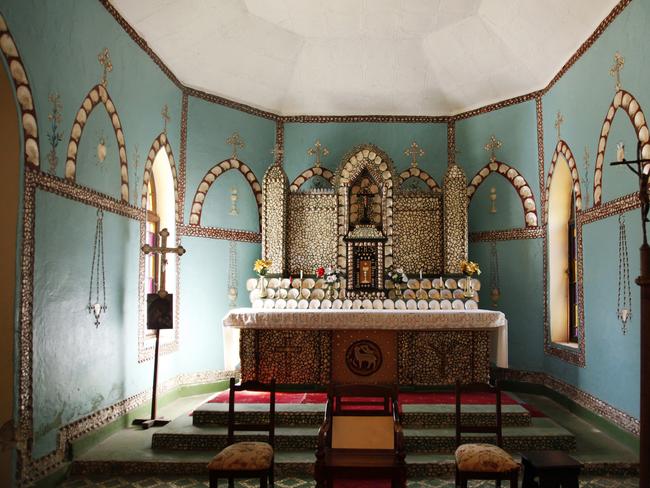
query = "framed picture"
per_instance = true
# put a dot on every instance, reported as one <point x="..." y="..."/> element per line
<point x="160" y="311"/>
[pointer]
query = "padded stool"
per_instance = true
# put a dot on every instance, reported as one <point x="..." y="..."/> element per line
<point x="555" y="469"/>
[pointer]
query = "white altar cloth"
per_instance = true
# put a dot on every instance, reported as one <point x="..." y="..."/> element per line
<point x="305" y="319"/>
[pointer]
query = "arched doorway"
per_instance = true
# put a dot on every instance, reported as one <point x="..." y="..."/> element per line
<point x="10" y="144"/>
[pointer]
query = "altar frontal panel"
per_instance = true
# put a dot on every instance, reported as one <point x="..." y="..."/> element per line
<point x="300" y="357"/>
<point x="364" y="356"/>
<point x="441" y="357"/>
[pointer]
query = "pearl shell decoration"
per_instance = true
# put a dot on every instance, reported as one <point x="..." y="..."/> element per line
<point x="562" y="149"/>
<point x="23" y="94"/>
<point x="97" y="95"/>
<point x="518" y="182"/>
<point x="212" y="175"/>
<point x="627" y="102"/>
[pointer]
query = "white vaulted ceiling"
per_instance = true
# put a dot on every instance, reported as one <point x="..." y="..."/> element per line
<point x="342" y="57"/>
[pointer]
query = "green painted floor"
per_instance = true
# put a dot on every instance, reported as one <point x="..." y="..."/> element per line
<point x="133" y="444"/>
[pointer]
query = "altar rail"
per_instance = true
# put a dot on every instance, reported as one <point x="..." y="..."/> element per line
<point x="437" y="294"/>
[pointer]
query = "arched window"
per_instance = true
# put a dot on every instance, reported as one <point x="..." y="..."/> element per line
<point x="562" y="257"/>
<point x="161" y="214"/>
<point x="153" y="227"/>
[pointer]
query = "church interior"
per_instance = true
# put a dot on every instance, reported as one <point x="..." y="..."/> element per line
<point x="418" y="195"/>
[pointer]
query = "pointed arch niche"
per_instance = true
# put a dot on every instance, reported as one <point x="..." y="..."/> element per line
<point x="627" y="102"/>
<point x="160" y="200"/>
<point x="563" y="204"/>
<point x="308" y="174"/>
<point x="563" y="154"/>
<point x="517" y="181"/>
<point x="212" y="175"/>
<point x="97" y="95"/>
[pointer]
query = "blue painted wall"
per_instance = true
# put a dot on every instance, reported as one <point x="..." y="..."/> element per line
<point x="59" y="43"/>
<point x="78" y="368"/>
<point x="583" y="96"/>
<point x="340" y="138"/>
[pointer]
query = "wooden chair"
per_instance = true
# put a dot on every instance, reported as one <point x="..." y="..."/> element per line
<point x="246" y="459"/>
<point x="361" y="437"/>
<point x="482" y="461"/>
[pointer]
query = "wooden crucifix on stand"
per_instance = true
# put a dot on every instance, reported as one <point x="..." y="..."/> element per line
<point x="160" y="315"/>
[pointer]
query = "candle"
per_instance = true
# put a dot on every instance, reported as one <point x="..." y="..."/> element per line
<point x="420" y="274"/>
<point x="301" y="274"/>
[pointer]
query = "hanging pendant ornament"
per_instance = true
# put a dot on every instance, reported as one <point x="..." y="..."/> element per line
<point x="624" y="300"/>
<point x="97" y="269"/>
<point x="495" y="292"/>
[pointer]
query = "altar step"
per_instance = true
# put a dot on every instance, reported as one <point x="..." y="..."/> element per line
<point x="299" y="463"/>
<point x="542" y="433"/>
<point x="427" y="416"/>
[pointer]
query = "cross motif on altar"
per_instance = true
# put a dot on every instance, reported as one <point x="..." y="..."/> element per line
<point x="286" y="349"/>
<point x="414" y="151"/>
<point x="617" y="67"/>
<point x="104" y="59"/>
<point x="492" y="146"/>
<point x="163" y="250"/>
<point x="319" y="151"/>
<point x="166" y="117"/>
<point x="559" y="120"/>
<point x="235" y="141"/>
<point x="277" y="151"/>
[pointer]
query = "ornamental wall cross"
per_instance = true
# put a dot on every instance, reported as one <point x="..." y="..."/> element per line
<point x="414" y="150"/>
<point x="163" y="250"/>
<point x="235" y="141"/>
<point x="166" y="117"/>
<point x="319" y="151"/>
<point x="492" y="146"/>
<point x="287" y="351"/>
<point x="104" y="59"/>
<point x="617" y="67"/>
<point x="559" y="120"/>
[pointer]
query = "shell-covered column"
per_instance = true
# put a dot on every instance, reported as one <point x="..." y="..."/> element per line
<point x="274" y="217"/>
<point x="455" y="203"/>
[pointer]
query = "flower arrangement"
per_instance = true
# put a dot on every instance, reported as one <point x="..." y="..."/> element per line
<point x="261" y="266"/>
<point x="397" y="275"/>
<point x="333" y="274"/>
<point x="469" y="268"/>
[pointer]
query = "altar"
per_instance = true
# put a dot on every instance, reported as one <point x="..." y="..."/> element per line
<point x="405" y="347"/>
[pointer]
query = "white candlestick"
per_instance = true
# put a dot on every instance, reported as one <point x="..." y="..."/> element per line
<point x="301" y="274"/>
<point x="420" y="274"/>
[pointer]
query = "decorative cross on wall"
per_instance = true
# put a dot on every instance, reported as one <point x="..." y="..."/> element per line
<point x="235" y="141"/>
<point x="559" y="120"/>
<point x="277" y="151"/>
<point x="104" y="59"/>
<point x="319" y="151"/>
<point x="414" y="151"/>
<point x="617" y="67"/>
<point x="165" y="116"/>
<point x="492" y="146"/>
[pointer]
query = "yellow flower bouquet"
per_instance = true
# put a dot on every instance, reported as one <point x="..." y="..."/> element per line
<point x="469" y="268"/>
<point x="261" y="266"/>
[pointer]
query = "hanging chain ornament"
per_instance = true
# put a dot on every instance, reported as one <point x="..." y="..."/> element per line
<point x="97" y="269"/>
<point x="495" y="292"/>
<point x="232" y="274"/>
<point x="624" y="300"/>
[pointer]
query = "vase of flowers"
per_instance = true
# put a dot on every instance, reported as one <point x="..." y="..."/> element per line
<point x="261" y="267"/>
<point x="332" y="275"/>
<point x="399" y="278"/>
<point x="469" y="268"/>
